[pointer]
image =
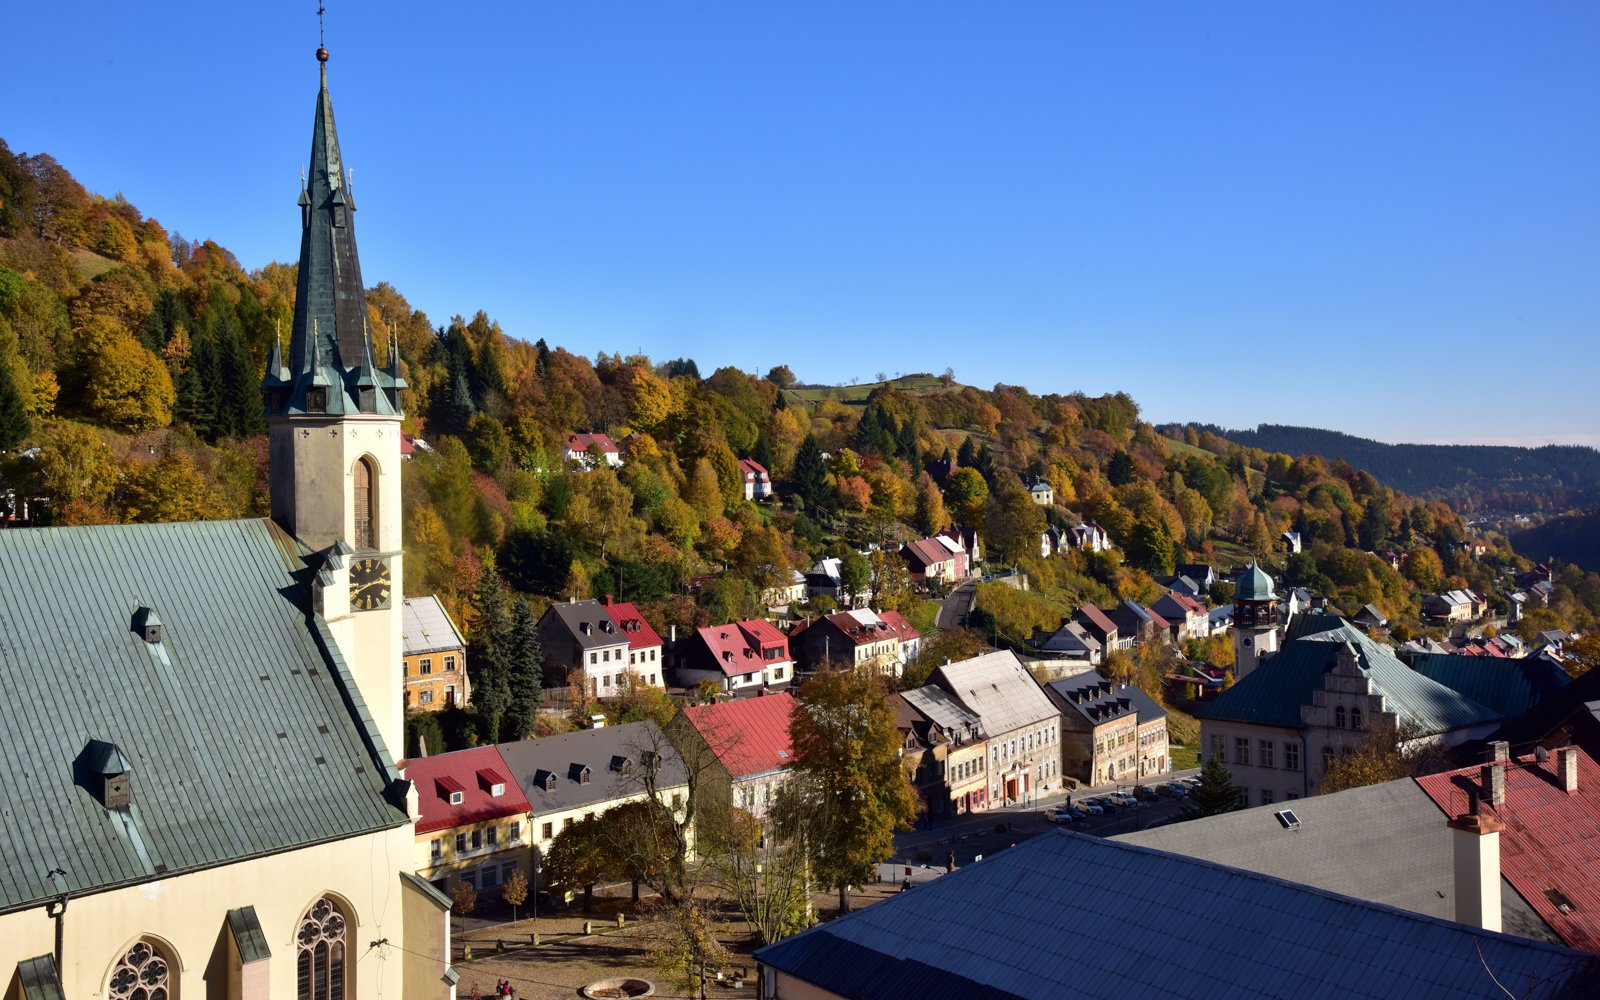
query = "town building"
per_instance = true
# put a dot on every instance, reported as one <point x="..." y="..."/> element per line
<point x="1322" y="695"/>
<point x="1041" y="493"/>
<point x="1508" y="686"/>
<point x="1219" y="932"/>
<point x="780" y="598"/>
<point x="1100" y="626"/>
<point x="935" y="562"/>
<point x="860" y="638"/>
<point x="1454" y="606"/>
<point x="1090" y="536"/>
<point x="1187" y="617"/>
<point x="741" y="658"/>
<point x="1070" y="645"/>
<point x="602" y="648"/>
<point x="1138" y="624"/>
<point x="964" y="778"/>
<point x="747" y="743"/>
<point x="1109" y="732"/>
<point x="434" y="657"/>
<point x="206" y="800"/>
<point x="579" y="445"/>
<point x="573" y="776"/>
<point x="474" y="818"/>
<point x="1022" y="725"/>
<point x="1255" y="620"/>
<point x="757" y="482"/>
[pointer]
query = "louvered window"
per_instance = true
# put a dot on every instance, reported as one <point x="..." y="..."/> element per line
<point x="365" y="505"/>
<point x="321" y="948"/>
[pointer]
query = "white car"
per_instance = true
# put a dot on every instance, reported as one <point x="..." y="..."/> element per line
<point x="1091" y="807"/>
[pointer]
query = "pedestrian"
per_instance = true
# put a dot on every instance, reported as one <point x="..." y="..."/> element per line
<point x="950" y="862"/>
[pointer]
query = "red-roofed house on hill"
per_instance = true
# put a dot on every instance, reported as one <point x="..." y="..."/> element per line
<point x="598" y="646"/>
<point x="757" y="483"/>
<point x="745" y="657"/>
<point x="749" y="737"/>
<point x="473" y="822"/>
<point x="578" y="446"/>
<point x="1538" y="823"/>
<point x="861" y="638"/>
<point x="935" y="561"/>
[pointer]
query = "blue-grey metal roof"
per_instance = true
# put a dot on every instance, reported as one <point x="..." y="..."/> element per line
<point x="39" y="979"/>
<point x="1509" y="686"/>
<point x="1099" y="700"/>
<point x="242" y="730"/>
<point x="1273" y="693"/>
<point x="1253" y="584"/>
<point x="1066" y="914"/>
<point x="612" y="754"/>
<point x="248" y="936"/>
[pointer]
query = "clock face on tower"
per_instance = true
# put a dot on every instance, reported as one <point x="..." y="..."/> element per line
<point x="369" y="584"/>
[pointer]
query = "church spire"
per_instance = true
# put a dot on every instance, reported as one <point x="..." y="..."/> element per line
<point x="330" y="310"/>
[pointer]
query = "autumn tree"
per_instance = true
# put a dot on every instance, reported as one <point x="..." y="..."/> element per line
<point x="1014" y="526"/>
<point x="14" y="423"/>
<point x="848" y="776"/>
<point x="966" y="493"/>
<point x="810" y="474"/>
<point x="1423" y="567"/>
<point x="763" y="867"/>
<point x="514" y="891"/>
<point x="931" y="516"/>
<point x="128" y="387"/>
<point x="171" y="489"/>
<point x="77" y="467"/>
<point x="891" y="581"/>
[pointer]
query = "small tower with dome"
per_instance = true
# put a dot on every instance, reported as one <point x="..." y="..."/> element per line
<point x="1255" y="620"/>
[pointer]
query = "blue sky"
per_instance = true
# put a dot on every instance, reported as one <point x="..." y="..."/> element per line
<point x="1380" y="218"/>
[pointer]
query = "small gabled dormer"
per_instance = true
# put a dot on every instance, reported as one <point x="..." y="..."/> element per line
<point x="147" y="626"/>
<point x="621" y="765"/>
<point x="106" y="773"/>
<point x="451" y="790"/>
<point x="545" y="780"/>
<point x="491" y="781"/>
<point x="578" y="773"/>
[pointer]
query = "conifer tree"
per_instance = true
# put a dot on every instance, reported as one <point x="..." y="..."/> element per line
<point x="810" y="474"/>
<point x="489" y="654"/>
<point x="526" y="673"/>
<point x="14" y="424"/>
<point x="1216" y="792"/>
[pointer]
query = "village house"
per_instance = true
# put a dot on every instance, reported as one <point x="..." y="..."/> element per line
<point x="935" y="562"/>
<point x="784" y="595"/>
<point x="1022" y="725"/>
<point x="1109" y="732"/>
<point x="579" y="445"/>
<point x="910" y="639"/>
<point x="1041" y="493"/>
<point x="745" y="657"/>
<point x="861" y="638"/>
<point x="1370" y="619"/>
<point x="1100" y="626"/>
<point x="964" y="778"/>
<point x="1291" y="542"/>
<point x="434" y="663"/>
<point x="1454" y="606"/>
<point x="472" y="827"/>
<point x="757" y="483"/>
<point x="1090" y="536"/>
<point x="1139" y="624"/>
<point x="1186" y="616"/>
<point x="1323" y="694"/>
<point x="600" y="647"/>
<point x="749" y="741"/>
<point x="967" y="538"/>
<point x="1070" y="645"/>
<point x="589" y="772"/>
<point x="826" y="579"/>
<point x="923" y="751"/>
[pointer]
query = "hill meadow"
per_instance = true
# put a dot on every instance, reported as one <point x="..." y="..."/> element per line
<point x="130" y="364"/>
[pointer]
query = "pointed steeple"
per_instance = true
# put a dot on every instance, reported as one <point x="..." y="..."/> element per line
<point x="330" y="298"/>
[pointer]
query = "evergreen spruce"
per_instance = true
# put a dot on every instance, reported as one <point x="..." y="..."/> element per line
<point x="1216" y="792"/>
<point x="762" y="452"/>
<point x="14" y="424"/>
<point x="197" y="387"/>
<point x="526" y="673"/>
<point x="489" y="654"/>
<point x="541" y="364"/>
<point x="810" y="474"/>
<point x="968" y="453"/>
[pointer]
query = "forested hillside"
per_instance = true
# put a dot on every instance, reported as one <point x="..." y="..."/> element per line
<point x="1472" y="477"/>
<point x="129" y="367"/>
<point x="1571" y="538"/>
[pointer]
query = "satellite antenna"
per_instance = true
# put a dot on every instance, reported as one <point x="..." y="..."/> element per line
<point x="1540" y="754"/>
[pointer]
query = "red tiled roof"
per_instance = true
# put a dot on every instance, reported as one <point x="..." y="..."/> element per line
<point x="749" y="736"/>
<point x="855" y="631"/>
<point x="1160" y="621"/>
<point x="899" y="626"/>
<point x="1551" y="839"/>
<point x="632" y="624"/>
<point x="929" y="552"/>
<point x="752" y="467"/>
<point x="1098" y="618"/>
<point x="468" y="772"/>
<point x="736" y="647"/>
<point x="581" y="442"/>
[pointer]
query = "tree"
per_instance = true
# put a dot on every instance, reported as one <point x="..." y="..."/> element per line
<point x="762" y="866"/>
<point x="489" y="653"/>
<point x="526" y="672"/>
<point x="1015" y="525"/>
<point x="855" y="573"/>
<point x="1382" y="756"/>
<point x="1423" y="567"/>
<point x="514" y="891"/>
<point x="810" y="474"/>
<point x="77" y="467"/>
<point x="14" y="424"/>
<point x="465" y="898"/>
<point x="129" y="387"/>
<point x="891" y="581"/>
<point x="1216" y="793"/>
<point x="848" y="776"/>
<point x="931" y="516"/>
<point x="967" y="492"/>
<point x="781" y="376"/>
<point x="171" y="489"/>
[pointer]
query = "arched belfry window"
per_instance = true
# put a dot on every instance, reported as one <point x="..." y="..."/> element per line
<point x="320" y="953"/>
<point x="366" y="504"/>
<point x="143" y="973"/>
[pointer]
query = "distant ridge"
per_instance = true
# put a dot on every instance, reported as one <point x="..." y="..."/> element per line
<point x="1552" y="477"/>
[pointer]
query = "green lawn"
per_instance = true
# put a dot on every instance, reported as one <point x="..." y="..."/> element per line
<point x="856" y="395"/>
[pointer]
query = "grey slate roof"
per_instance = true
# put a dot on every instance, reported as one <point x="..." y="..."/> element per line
<point x="243" y="731"/>
<point x="1384" y="843"/>
<point x="1273" y="693"/>
<point x="944" y="711"/>
<point x="426" y="627"/>
<point x="998" y="689"/>
<point x="597" y="749"/>
<point x="574" y="615"/>
<point x="1067" y="915"/>
<point x="1509" y="686"/>
<point x="1099" y="701"/>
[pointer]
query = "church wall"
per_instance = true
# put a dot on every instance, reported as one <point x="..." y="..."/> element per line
<point x="188" y="913"/>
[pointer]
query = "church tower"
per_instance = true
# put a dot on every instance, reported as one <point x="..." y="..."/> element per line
<point x="333" y="424"/>
<point x="1255" y="620"/>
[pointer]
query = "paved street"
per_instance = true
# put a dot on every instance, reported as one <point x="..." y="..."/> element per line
<point x="955" y="608"/>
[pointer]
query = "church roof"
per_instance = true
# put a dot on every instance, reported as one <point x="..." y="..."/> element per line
<point x="240" y="732"/>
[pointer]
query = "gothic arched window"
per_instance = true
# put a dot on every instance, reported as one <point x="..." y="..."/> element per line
<point x="320" y="947"/>
<point x="1338" y="716"/>
<point x="366" y="505"/>
<point x="1355" y="718"/>
<point x="143" y="973"/>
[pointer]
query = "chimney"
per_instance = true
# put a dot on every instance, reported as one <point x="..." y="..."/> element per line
<point x="1502" y="751"/>
<point x="1494" y="783"/>
<point x="1476" y="845"/>
<point x="1568" y="756"/>
<point x="608" y="600"/>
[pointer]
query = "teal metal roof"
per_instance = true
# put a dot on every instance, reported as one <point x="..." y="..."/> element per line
<point x="1254" y="585"/>
<point x="1273" y="693"/>
<point x="242" y="731"/>
<point x="1509" y="686"/>
<point x="39" y="979"/>
<point x="248" y="936"/>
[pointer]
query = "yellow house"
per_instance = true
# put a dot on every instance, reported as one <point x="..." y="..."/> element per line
<point x="435" y="657"/>
<point x="569" y="777"/>
<point x="473" y="820"/>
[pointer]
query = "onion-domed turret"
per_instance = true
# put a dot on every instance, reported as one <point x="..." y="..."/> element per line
<point x="1254" y="585"/>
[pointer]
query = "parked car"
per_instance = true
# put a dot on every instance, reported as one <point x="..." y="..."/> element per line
<point x="1176" y="789"/>
<point x="1144" y="792"/>
<point x="1122" y="800"/>
<point x="1091" y="807"/>
<point x="1060" y="814"/>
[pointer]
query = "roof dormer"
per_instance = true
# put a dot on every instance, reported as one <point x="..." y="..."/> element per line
<point x="147" y="626"/>
<point x="105" y="772"/>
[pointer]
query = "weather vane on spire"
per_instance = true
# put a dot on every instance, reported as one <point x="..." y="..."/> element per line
<point x="322" y="43"/>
